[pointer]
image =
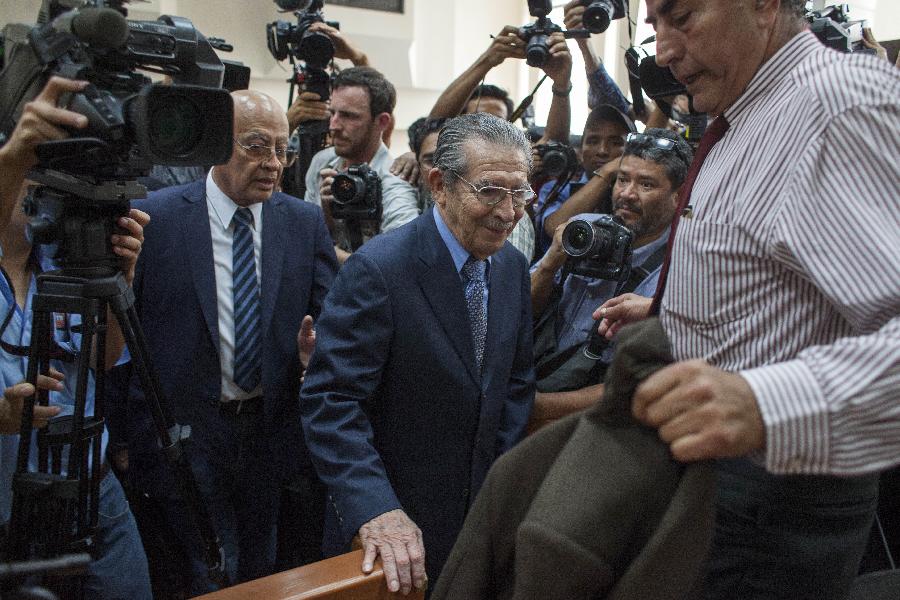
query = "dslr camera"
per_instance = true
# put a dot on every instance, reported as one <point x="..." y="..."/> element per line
<point x="88" y="179"/>
<point x="833" y="27"/>
<point x="357" y="194"/>
<point x="537" y="34"/>
<point x="598" y="248"/>
<point x="557" y="159"/>
<point x="598" y="14"/>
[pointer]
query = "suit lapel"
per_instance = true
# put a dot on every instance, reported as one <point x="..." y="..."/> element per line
<point x="197" y="242"/>
<point x="273" y="240"/>
<point x="441" y="284"/>
<point x="502" y="298"/>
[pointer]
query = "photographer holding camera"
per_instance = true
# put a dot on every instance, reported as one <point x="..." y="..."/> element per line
<point x="601" y="144"/>
<point x="461" y="96"/>
<point x="648" y="179"/>
<point x="117" y="544"/>
<point x="361" y="109"/>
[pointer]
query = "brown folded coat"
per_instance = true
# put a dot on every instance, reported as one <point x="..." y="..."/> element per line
<point x="592" y="506"/>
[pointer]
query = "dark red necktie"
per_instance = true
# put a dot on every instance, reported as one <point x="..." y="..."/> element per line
<point x="712" y="135"/>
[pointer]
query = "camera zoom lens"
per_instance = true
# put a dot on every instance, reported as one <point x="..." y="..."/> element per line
<point x="553" y="163"/>
<point x="176" y="126"/>
<point x="578" y="238"/>
<point x="316" y="49"/>
<point x="597" y="16"/>
<point x="345" y="188"/>
<point x="537" y="51"/>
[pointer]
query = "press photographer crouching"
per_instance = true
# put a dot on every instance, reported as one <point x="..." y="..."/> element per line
<point x="361" y="105"/>
<point x="117" y="545"/>
<point x="597" y="257"/>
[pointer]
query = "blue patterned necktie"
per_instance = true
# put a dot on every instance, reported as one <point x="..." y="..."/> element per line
<point x="474" y="271"/>
<point x="246" y="303"/>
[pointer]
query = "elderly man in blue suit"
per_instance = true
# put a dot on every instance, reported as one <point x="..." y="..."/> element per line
<point x="229" y="270"/>
<point x="422" y="374"/>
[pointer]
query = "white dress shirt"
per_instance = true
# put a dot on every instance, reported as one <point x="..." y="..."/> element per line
<point x="221" y="211"/>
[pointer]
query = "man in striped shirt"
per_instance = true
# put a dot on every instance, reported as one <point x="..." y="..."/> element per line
<point x="783" y="297"/>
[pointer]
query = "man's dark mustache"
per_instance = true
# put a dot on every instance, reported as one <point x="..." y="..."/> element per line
<point x="628" y="206"/>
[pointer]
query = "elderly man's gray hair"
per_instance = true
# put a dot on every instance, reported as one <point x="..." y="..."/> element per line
<point x="450" y="153"/>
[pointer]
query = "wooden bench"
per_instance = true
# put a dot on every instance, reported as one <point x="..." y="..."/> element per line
<point x="338" y="578"/>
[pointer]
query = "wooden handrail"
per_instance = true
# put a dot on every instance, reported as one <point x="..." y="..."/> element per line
<point x="338" y="578"/>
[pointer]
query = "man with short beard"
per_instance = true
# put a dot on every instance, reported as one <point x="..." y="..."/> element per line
<point x="361" y="105"/>
<point x="648" y="179"/>
<point x="422" y="373"/>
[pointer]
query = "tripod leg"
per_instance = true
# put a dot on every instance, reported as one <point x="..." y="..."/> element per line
<point x="171" y="437"/>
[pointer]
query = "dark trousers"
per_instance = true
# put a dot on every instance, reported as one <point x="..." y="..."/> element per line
<point x="232" y="463"/>
<point x="791" y="537"/>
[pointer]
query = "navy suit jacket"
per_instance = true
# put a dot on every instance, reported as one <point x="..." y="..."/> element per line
<point x="175" y="289"/>
<point x="395" y="413"/>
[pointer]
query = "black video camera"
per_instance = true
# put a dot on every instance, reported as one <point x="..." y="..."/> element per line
<point x="312" y="47"/>
<point x="600" y="248"/>
<point x="537" y="34"/>
<point x="598" y="14"/>
<point x="357" y="194"/>
<point x="89" y="178"/>
<point x="833" y="27"/>
<point x="556" y="159"/>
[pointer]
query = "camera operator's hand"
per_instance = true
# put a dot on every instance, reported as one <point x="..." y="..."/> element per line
<point x="573" y="14"/>
<point x="406" y="167"/>
<point x="559" y="65"/>
<point x="398" y="540"/>
<point x="14" y="396"/>
<point x="506" y="44"/>
<point x="869" y="41"/>
<point x="308" y="106"/>
<point x="620" y="311"/>
<point x="537" y="165"/>
<point x="555" y="257"/>
<point x="342" y="46"/>
<point x="326" y="178"/>
<point x="42" y="120"/>
<point x="127" y="245"/>
<point x="543" y="277"/>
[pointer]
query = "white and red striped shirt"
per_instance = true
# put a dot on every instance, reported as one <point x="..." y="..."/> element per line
<point x="788" y="269"/>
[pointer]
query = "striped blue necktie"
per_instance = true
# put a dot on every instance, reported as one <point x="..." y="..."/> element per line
<point x="246" y="303"/>
<point x="474" y="272"/>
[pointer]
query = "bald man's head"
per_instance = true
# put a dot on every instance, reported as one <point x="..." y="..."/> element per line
<point x="249" y="105"/>
<point x="260" y="137"/>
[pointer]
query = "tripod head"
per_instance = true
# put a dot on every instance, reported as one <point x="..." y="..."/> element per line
<point x="76" y="218"/>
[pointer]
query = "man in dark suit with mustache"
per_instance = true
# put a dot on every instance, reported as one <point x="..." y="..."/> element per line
<point x="422" y="371"/>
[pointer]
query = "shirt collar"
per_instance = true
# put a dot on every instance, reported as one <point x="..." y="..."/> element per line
<point x="459" y="254"/>
<point x="773" y="71"/>
<point x="224" y="207"/>
<point x="381" y="161"/>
